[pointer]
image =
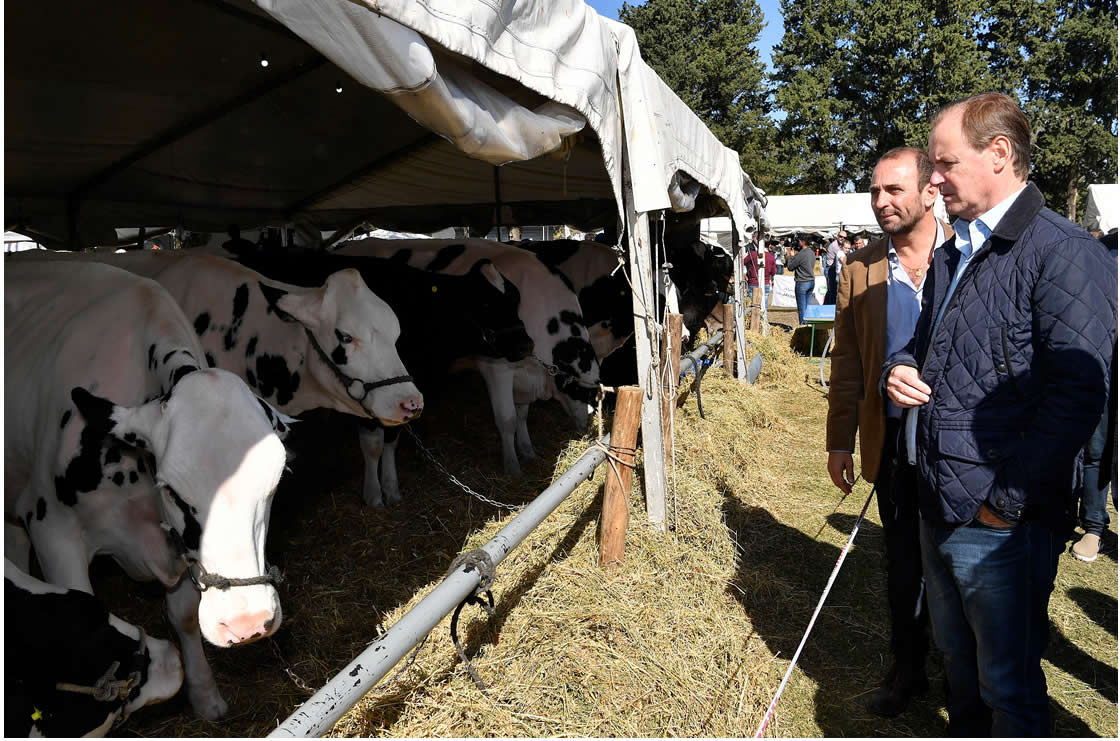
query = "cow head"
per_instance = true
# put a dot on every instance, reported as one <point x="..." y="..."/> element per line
<point x="490" y="311"/>
<point x="218" y="461"/>
<point x="356" y="333"/>
<point x="55" y="635"/>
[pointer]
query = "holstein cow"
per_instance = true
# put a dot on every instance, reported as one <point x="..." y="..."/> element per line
<point x="120" y="441"/>
<point x="551" y="315"/>
<point x="330" y="345"/>
<point x="703" y="274"/>
<point x="70" y="667"/>
<point x="443" y="318"/>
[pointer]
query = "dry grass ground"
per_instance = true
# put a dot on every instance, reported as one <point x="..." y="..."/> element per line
<point x="690" y="637"/>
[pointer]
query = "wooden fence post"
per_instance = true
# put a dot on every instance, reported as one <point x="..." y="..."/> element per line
<point x="616" y="493"/>
<point x="756" y="303"/>
<point x="671" y="362"/>
<point x="729" y="339"/>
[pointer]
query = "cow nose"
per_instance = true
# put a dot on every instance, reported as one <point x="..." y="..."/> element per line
<point x="412" y="405"/>
<point x="247" y="627"/>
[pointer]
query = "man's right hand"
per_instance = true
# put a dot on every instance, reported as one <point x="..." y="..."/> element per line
<point x="906" y="388"/>
<point x="842" y="471"/>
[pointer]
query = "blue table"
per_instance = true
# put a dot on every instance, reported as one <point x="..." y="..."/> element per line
<point x="822" y="316"/>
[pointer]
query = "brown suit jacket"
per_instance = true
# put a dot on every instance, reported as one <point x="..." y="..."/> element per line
<point x="860" y="342"/>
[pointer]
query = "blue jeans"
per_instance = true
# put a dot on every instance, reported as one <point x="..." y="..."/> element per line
<point x="802" y="291"/>
<point x="988" y="591"/>
<point x="1093" y="493"/>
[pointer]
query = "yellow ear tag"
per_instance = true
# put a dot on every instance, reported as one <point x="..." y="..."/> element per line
<point x="36" y="715"/>
<point x="434" y="289"/>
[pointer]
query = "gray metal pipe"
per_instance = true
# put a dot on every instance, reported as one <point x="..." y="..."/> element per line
<point x="691" y="361"/>
<point x="316" y="716"/>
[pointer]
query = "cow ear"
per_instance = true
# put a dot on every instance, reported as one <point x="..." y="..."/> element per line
<point x="272" y="296"/>
<point x="305" y="307"/>
<point x="134" y="426"/>
<point x="486" y="269"/>
<point x="280" y="422"/>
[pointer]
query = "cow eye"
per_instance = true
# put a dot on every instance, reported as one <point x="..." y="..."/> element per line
<point x="344" y="338"/>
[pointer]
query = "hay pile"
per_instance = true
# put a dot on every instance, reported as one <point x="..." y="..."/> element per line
<point x="661" y="647"/>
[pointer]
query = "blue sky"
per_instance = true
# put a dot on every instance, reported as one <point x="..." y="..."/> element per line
<point x="771" y="32"/>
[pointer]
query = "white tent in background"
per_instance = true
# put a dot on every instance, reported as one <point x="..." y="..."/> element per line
<point x="819" y="214"/>
<point x="1102" y="210"/>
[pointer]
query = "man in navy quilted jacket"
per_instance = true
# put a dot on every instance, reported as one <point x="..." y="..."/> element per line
<point x="1003" y="381"/>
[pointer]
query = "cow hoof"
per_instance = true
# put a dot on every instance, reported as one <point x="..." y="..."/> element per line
<point x="208" y="704"/>
<point x="392" y="495"/>
<point x="512" y="467"/>
<point x="374" y="500"/>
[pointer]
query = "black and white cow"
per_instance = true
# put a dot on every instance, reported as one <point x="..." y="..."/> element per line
<point x="443" y="318"/>
<point x="57" y="641"/>
<point x="552" y="317"/>
<point x="298" y="347"/>
<point x="703" y="274"/>
<point x="120" y="441"/>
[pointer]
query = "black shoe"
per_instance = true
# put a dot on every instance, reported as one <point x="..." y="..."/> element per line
<point x="893" y="694"/>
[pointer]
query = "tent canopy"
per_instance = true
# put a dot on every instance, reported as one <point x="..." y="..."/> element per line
<point x="1102" y="209"/>
<point x="450" y="113"/>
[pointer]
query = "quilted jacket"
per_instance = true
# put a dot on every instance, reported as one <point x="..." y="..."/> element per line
<point x="1017" y="367"/>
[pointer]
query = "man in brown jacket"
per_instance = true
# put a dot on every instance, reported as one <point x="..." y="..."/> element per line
<point x="878" y="302"/>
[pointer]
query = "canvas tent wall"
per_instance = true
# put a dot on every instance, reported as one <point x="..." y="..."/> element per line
<point x="1102" y="209"/>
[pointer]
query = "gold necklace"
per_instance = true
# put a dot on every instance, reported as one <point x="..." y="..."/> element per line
<point x="916" y="273"/>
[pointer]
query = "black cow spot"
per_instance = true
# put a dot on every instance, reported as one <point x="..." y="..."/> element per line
<point x="570" y="317"/>
<point x="118" y="478"/>
<point x="445" y="257"/>
<point x="251" y="377"/>
<point x="240" y="304"/>
<point x="202" y="323"/>
<point x="574" y="353"/>
<point x="553" y="325"/>
<point x="40" y="509"/>
<point x="65" y="419"/>
<point x="210" y="362"/>
<point x="133" y="477"/>
<point x="152" y="356"/>
<point x="83" y="473"/>
<point x="251" y="347"/>
<point x="192" y="531"/>
<point x="168" y="356"/>
<point x="401" y="256"/>
<point x="140" y="465"/>
<point x="274" y="378"/>
<point x="181" y="371"/>
<point x="338" y="355"/>
<point x="575" y="330"/>
<point x="113" y="454"/>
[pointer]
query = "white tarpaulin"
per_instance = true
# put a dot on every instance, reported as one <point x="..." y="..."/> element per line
<point x="1102" y="209"/>
<point x="562" y="50"/>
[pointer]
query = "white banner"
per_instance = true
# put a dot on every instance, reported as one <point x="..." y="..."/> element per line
<point x="782" y="296"/>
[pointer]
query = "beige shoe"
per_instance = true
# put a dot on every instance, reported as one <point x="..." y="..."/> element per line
<point x="1086" y="548"/>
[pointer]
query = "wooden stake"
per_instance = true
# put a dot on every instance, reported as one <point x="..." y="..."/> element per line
<point x="729" y="338"/>
<point x="616" y="493"/>
<point x="756" y="305"/>
<point x="671" y="361"/>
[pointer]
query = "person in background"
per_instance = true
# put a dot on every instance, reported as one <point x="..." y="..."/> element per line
<point x="1099" y="464"/>
<point x="858" y="245"/>
<point x="1004" y="379"/>
<point x="830" y="269"/>
<point x="878" y="302"/>
<point x="751" y="264"/>
<point x="802" y="264"/>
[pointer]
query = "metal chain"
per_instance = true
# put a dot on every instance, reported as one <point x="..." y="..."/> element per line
<point x="480" y="497"/>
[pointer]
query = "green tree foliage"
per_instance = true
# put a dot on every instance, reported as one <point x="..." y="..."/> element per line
<point x="703" y="51"/>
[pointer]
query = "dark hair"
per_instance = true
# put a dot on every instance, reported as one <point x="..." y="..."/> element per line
<point x="921" y="161"/>
<point x="989" y="115"/>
